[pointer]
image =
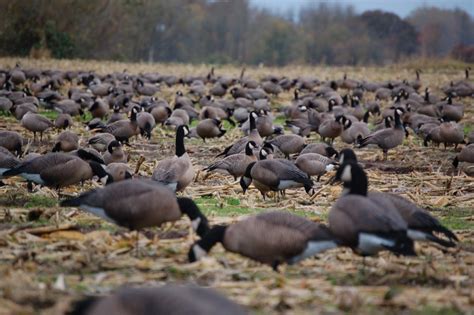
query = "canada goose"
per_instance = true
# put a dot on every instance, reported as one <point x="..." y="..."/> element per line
<point x="5" y="104"/>
<point x="272" y="87"/>
<point x="63" y="121"/>
<point x="361" y="224"/>
<point x="354" y="132"/>
<point x="116" y="115"/>
<point x="288" y="144"/>
<point x="264" y="124"/>
<point x="314" y="164"/>
<point x="58" y="170"/>
<point x="218" y="89"/>
<point x="386" y="138"/>
<point x="119" y="171"/>
<point x="161" y="113"/>
<point x="330" y="128"/>
<point x="124" y="129"/>
<point x="235" y="164"/>
<point x="451" y="133"/>
<point x="7" y="162"/>
<point x="99" y="109"/>
<point x="320" y="148"/>
<point x="271" y="238"/>
<point x="217" y="112"/>
<point x="114" y="153"/>
<point x="466" y="155"/>
<point x="101" y="141"/>
<point x="66" y="141"/>
<point x="421" y="224"/>
<point x="68" y="106"/>
<point x="145" y="88"/>
<point x="168" y="299"/>
<point x="176" y="172"/>
<point x="210" y="128"/>
<point x="137" y="204"/>
<point x="452" y="112"/>
<point x="36" y="123"/>
<point x="239" y="145"/>
<point x="178" y="118"/>
<point x="274" y="175"/>
<point x="146" y="123"/>
<point x="20" y="110"/>
<point x="12" y="141"/>
<point x="17" y="76"/>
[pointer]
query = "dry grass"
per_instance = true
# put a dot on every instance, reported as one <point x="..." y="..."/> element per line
<point x="49" y="255"/>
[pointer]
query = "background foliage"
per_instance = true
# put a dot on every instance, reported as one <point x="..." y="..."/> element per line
<point x="228" y="32"/>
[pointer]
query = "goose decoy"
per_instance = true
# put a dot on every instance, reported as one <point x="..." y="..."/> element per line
<point x="12" y="141"/>
<point x="168" y="299"/>
<point x="114" y="153"/>
<point x="116" y="115"/>
<point x="119" y="171"/>
<point x="320" y="148"/>
<point x="466" y="155"/>
<point x="314" y="164"/>
<point x="235" y="164"/>
<point x="271" y="238"/>
<point x="451" y="133"/>
<point x="176" y="172"/>
<point x="36" y="123"/>
<point x="421" y="224"/>
<point x="361" y="224"/>
<point x="57" y="170"/>
<point x="288" y="144"/>
<point x="66" y="141"/>
<point x="354" y="131"/>
<point x="139" y="203"/>
<point x="124" y="129"/>
<point x="161" y="112"/>
<point x="331" y="128"/>
<point x="99" y="109"/>
<point x="274" y="175"/>
<point x="210" y="128"/>
<point x="101" y="141"/>
<point x="178" y="118"/>
<point x="239" y="145"/>
<point x="387" y="139"/>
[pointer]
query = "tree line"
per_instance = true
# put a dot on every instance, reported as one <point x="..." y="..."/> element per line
<point x="203" y="31"/>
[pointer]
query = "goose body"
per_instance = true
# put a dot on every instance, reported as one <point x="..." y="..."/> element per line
<point x="235" y="164"/>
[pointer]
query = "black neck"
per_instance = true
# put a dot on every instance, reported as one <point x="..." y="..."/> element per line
<point x="359" y="183"/>
<point x="133" y="116"/>
<point x="398" y="121"/>
<point x="366" y="117"/>
<point x="180" y="150"/>
<point x="467" y="73"/>
<point x="188" y="206"/>
<point x="253" y="125"/>
<point x="215" y="235"/>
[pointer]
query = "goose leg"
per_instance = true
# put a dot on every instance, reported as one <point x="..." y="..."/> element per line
<point x="385" y="155"/>
<point x="34" y="136"/>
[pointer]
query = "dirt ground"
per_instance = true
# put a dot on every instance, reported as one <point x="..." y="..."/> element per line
<point x="50" y="256"/>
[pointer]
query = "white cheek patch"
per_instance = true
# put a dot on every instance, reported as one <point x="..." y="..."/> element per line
<point x="347" y="174"/>
<point x="195" y="223"/>
<point x="199" y="252"/>
<point x="341" y="158"/>
<point x="104" y="179"/>
<point x="329" y="167"/>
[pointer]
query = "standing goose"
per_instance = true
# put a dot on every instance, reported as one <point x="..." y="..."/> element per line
<point x="421" y="224"/>
<point x="137" y="204"/>
<point x="114" y="153"/>
<point x="124" y="129"/>
<point x="363" y="225"/>
<point x="466" y="155"/>
<point x="331" y="128"/>
<point x="288" y="144"/>
<point x="176" y="172"/>
<point x="146" y="123"/>
<point x="274" y="175"/>
<point x="386" y="138"/>
<point x="57" y="170"/>
<point x="36" y="123"/>
<point x="210" y="128"/>
<point x="314" y="164"/>
<point x="239" y="145"/>
<point x="271" y="238"/>
<point x="66" y="141"/>
<point x="235" y="164"/>
<point x="12" y="141"/>
<point x="451" y="133"/>
<point x="168" y="299"/>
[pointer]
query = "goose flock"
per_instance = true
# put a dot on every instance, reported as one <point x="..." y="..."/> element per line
<point x="119" y="110"/>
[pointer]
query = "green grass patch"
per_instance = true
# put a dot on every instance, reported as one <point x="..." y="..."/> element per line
<point x="456" y="218"/>
<point x="37" y="201"/>
<point x="467" y="129"/>
<point x="280" y="120"/>
<point x="431" y="310"/>
<point x="50" y="114"/>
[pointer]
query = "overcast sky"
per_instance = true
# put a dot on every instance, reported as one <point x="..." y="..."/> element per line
<point x="400" y="7"/>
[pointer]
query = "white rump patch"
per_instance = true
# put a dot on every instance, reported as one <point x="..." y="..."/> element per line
<point x="371" y="244"/>
<point x="313" y="248"/>
<point x="36" y="178"/>
<point x="417" y="235"/>
<point x="100" y="212"/>
<point x="329" y="167"/>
